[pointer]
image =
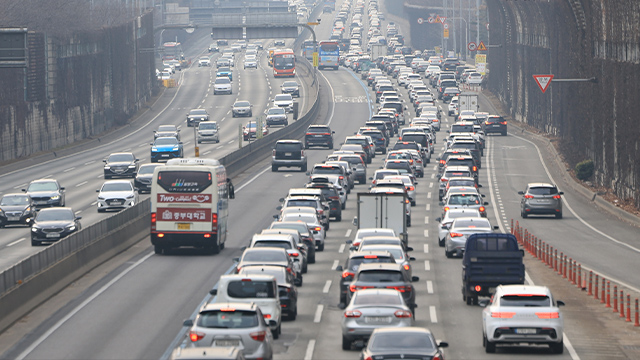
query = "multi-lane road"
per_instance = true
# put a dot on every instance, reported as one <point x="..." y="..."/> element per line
<point x="133" y="307"/>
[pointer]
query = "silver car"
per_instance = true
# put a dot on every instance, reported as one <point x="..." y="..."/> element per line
<point x="390" y="181"/>
<point x="241" y="108"/>
<point x="461" y="228"/>
<point x="447" y="219"/>
<point x="232" y="324"/>
<point x="370" y="309"/>
<point x="397" y="250"/>
<point x="459" y="200"/>
<point x="208" y="131"/>
<point x="116" y="194"/>
<point x="541" y="198"/>
<point x="314" y="223"/>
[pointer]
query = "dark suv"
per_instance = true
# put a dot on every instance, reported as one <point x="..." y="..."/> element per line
<point x="541" y="198"/>
<point x="384" y="275"/>
<point x="288" y="153"/>
<point x="353" y="263"/>
<point x="330" y="193"/>
<point x="318" y="135"/>
<point x="495" y="124"/>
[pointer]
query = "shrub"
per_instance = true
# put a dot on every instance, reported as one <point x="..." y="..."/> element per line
<point x="584" y="170"/>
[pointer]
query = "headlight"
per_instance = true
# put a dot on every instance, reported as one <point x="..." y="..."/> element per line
<point x="131" y="196"/>
<point x="131" y="166"/>
<point x="55" y="197"/>
<point x="71" y="227"/>
<point x="176" y="148"/>
<point x="2" y="212"/>
<point x="34" y="229"/>
<point x="100" y="198"/>
<point x="107" y="167"/>
<point x="27" y="210"/>
<point x="153" y="149"/>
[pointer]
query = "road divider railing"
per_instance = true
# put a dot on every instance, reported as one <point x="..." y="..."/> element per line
<point x="592" y="283"/>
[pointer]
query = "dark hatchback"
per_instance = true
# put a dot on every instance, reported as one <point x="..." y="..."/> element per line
<point x="51" y="225"/>
<point x="330" y="193"/>
<point x="16" y="209"/>
<point x="495" y="124"/>
<point x="470" y="145"/>
<point x="382" y="275"/>
<point x="318" y="135"/>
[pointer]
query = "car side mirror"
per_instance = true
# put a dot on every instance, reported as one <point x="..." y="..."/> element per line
<point x="273" y="323"/>
<point x="308" y="173"/>
<point x="97" y="190"/>
<point x="355" y="221"/>
<point x="275" y="217"/>
<point x="441" y="203"/>
<point x="483" y="195"/>
<point x="443" y="344"/>
<point x="188" y="323"/>
<point x="560" y="303"/>
<point x="78" y="217"/>
<point x="279" y="207"/>
<point x="561" y="193"/>
<point x="149" y="144"/>
<point x="415" y="278"/>
<point x="409" y="248"/>
<point x="281" y="199"/>
<point x="104" y="160"/>
<point x="236" y="259"/>
<point x="412" y="258"/>
<point x="520" y="192"/>
<point x="348" y="242"/>
<point x="438" y="219"/>
<point x="486" y="203"/>
<point x="479" y="185"/>
<point x="496" y="227"/>
<point x="339" y="268"/>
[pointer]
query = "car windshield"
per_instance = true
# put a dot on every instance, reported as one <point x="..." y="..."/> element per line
<point x="397" y="165"/>
<point x="252" y="125"/>
<point x="354" y="262"/>
<point x="119" y="186"/>
<point x="224" y="80"/>
<point x="278" y="272"/>
<point x="396" y="252"/>
<point x="279" y="244"/>
<point x="166" y="141"/>
<point x="250" y="289"/>
<point x="43" y="186"/>
<point x="242" y="104"/>
<point x="283" y="97"/>
<point x="527" y="300"/>
<point x="289" y="84"/>
<point x="449" y="174"/>
<point x="147" y="169"/>
<point x="543" y="190"/>
<point x="305" y="218"/>
<point x="327" y="170"/>
<point x="302" y="203"/>
<point x="120" y="158"/>
<point x="377" y="299"/>
<point x="55" y="215"/>
<point x="301" y="227"/>
<point x="275" y="111"/>
<point x="454" y="182"/>
<point x="380" y="276"/>
<point x="197" y="112"/>
<point x="401" y="340"/>
<point x="317" y="129"/>
<point x="208" y="126"/>
<point x="265" y="256"/>
<point x="10" y="200"/>
<point x="228" y="319"/>
<point x="166" y="128"/>
<point x="464" y="199"/>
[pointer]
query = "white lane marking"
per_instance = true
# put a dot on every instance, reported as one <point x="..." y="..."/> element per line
<point x="428" y="208"/>
<point x="89" y="162"/>
<point x="19" y="186"/>
<point x="93" y="203"/>
<point x="219" y="147"/>
<point x="143" y="145"/>
<point x="99" y="176"/>
<point x="206" y="152"/>
<point x="78" y="212"/>
<point x="77" y="309"/>
<point x="429" y="286"/>
<point x="231" y="142"/>
<point x="341" y="249"/>
<point x="432" y="314"/>
<point x="318" y="316"/>
<point x="309" y="354"/>
<point x="426" y="233"/>
<point x="426" y="248"/>
<point x="429" y="195"/>
<point x="16" y="242"/>
<point x="327" y="286"/>
<point x="430" y="185"/>
<point x="253" y="179"/>
<point x="348" y="233"/>
<point x="335" y="264"/>
<point x="433" y="176"/>
<point x="426" y="219"/>
<point x="572" y="351"/>
<point x="427" y="265"/>
<point x="82" y="183"/>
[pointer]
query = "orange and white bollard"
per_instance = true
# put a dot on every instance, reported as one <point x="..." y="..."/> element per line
<point x="595" y="295"/>
<point x="637" y="323"/>
<point x="602" y="301"/>
<point x="608" y="294"/>
<point x="621" y="303"/>
<point x="615" y="298"/>
<point x="628" y="308"/>
<point x="579" y="282"/>
<point x="590" y="283"/>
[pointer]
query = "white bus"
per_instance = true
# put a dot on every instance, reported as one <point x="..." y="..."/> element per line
<point x="189" y="205"/>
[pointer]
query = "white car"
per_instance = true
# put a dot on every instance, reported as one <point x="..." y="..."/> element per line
<point x="284" y="101"/>
<point x="475" y="78"/>
<point x="523" y="314"/>
<point x="364" y="232"/>
<point x="116" y="194"/>
<point x="449" y="216"/>
<point x="250" y="62"/>
<point x="453" y="106"/>
<point x="432" y="70"/>
<point x="456" y="239"/>
<point x="204" y="61"/>
<point x="222" y="85"/>
<point x="165" y="75"/>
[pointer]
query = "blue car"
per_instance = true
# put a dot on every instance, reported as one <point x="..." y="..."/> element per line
<point x="225" y="71"/>
<point x="165" y="148"/>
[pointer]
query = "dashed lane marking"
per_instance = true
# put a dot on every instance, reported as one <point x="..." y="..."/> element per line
<point x="318" y="316"/>
<point x="429" y="286"/>
<point x="427" y="265"/>
<point x="327" y="286"/>
<point x="432" y="314"/>
<point x="335" y="264"/>
<point x="341" y="249"/>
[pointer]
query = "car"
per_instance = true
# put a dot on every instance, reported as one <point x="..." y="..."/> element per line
<point x="372" y="309"/>
<point x="381" y="276"/>
<point x="232" y="324"/>
<point x="314" y="223"/>
<point x="340" y="182"/>
<point x="167" y="130"/>
<point x="223" y="62"/>
<point x="143" y="178"/>
<point x="401" y="342"/>
<point x="249" y="131"/>
<point x="495" y="124"/>
<point x="288" y="153"/>
<point x="222" y="42"/>
<point x="331" y="193"/>
<point x="365" y="141"/>
<point x="300" y="245"/>
<point x="165" y="75"/>
<point x="276" y="116"/>
<point x="305" y="232"/>
<point x="286" y="242"/>
<point x="474" y="78"/>
<point x="398" y="251"/>
<point x="382" y="173"/>
<point x="241" y="108"/>
<point x="195" y="116"/>
<point x="213" y="48"/>
<point x="446" y="220"/>
<point x="464" y="199"/>
<point x="403" y="166"/>
<point x="287" y="291"/>
<point x="358" y="167"/>
<point x="451" y="172"/>
<point x="116" y="194"/>
<point x="392" y="182"/>
<point x="250" y="62"/>
<point x="46" y="193"/>
<point x="222" y="85"/>
<point x="460" y="229"/>
<point x="16" y="209"/>
<point x="284" y="101"/>
<point x="318" y="135"/>
<point x="353" y="262"/>
<point x="53" y="224"/>
<point x="541" y="199"/>
<point x="207" y="353"/>
<point x="208" y="131"/>
<point x="453" y="106"/>
<point x="290" y="87"/>
<point x="224" y="71"/>
<point x="204" y="61"/>
<point x="121" y="165"/>
<point x="279" y="42"/>
<point x="523" y="314"/>
<point x="165" y="148"/>
<point x="317" y="202"/>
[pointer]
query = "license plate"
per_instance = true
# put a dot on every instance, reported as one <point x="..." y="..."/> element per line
<point x="116" y="203"/>
<point x="377" y="319"/>
<point x="165" y="155"/>
<point x="525" y="331"/>
<point x="13" y="218"/>
<point x="287" y="154"/>
<point x="317" y="135"/>
<point x="53" y="236"/>
<point x="184" y="226"/>
<point x="227" y="342"/>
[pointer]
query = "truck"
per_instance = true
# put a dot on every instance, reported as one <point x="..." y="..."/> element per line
<point x="468" y="101"/>
<point x="383" y="211"/>
<point x="378" y="51"/>
<point x="489" y="260"/>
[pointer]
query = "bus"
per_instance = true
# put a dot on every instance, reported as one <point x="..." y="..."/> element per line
<point x="328" y="54"/>
<point x="284" y="63"/>
<point x="189" y="205"/>
<point x="307" y="49"/>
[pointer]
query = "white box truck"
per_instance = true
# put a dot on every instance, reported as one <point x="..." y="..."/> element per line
<point x="468" y="101"/>
<point x="383" y="211"/>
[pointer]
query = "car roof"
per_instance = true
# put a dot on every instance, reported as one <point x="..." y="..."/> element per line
<point x="540" y="185"/>
<point x="289" y="142"/>
<point x="380" y="266"/>
<point x="43" y="180"/>
<point x="246" y="306"/>
<point x="357" y="254"/>
<point x="274" y="237"/>
<point x="406" y="329"/>
<point x="523" y="289"/>
<point x="120" y="181"/>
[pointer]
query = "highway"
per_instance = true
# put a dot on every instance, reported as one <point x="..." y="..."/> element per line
<point x="134" y="307"/>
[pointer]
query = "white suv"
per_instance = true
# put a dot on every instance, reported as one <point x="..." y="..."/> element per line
<point x="204" y="61"/>
<point x="284" y="101"/>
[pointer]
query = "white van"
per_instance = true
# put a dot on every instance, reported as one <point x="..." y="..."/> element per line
<point x="259" y="289"/>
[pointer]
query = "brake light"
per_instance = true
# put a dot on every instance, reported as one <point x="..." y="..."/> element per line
<point x="273" y="152"/>
<point x="482" y="209"/>
<point x="401" y="288"/>
<point x="528" y="196"/>
<point x="317" y="228"/>
<point x="402" y="314"/>
<point x="503" y="122"/>
<point x="294" y="254"/>
<point x="195" y="336"/>
<point x="258" y="336"/>
<point x="475" y="168"/>
<point x="341" y="177"/>
<point x="214" y="223"/>
<point x="454" y="234"/>
<point x="228" y="309"/>
<point x="446" y="208"/>
<point x="502" y="315"/>
<point x="347" y="274"/>
<point x="411" y="188"/>
<point x="153" y="221"/>
<point x="548" y="315"/>
<point x="352" y="314"/>
<point x="355" y="288"/>
<point x="371" y="256"/>
<point x="407" y="267"/>
<point x="556" y="196"/>
<point x="442" y="162"/>
<point x="267" y="316"/>
<point x="444" y="179"/>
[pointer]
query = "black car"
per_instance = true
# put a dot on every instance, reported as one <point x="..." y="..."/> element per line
<point x="378" y="139"/>
<point x="195" y="116"/>
<point x="495" y="124"/>
<point x="318" y="135"/>
<point x="46" y="192"/>
<point x="51" y="225"/>
<point x="290" y="87"/>
<point x="470" y="145"/>
<point x="16" y="209"/>
<point x="449" y="93"/>
<point x="330" y="193"/>
<point x="222" y="42"/>
<point x="143" y="178"/>
<point x="353" y="263"/>
<point x="120" y="164"/>
<point x="288" y="153"/>
<point x="384" y="275"/>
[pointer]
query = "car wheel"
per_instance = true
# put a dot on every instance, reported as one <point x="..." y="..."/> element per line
<point x="504" y="133"/>
<point x="346" y="343"/>
<point x="107" y="176"/>
<point x="250" y="114"/>
<point x="344" y="204"/>
<point x="233" y="114"/>
<point x="312" y="259"/>
<point x="158" y="249"/>
<point x="413" y="203"/>
<point x="559" y="215"/>
<point x="274" y="168"/>
<point x="305" y="268"/>
<point x="490" y="347"/>
<point x="292" y="316"/>
<point x="409" y="222"/>
<point x="303" y="168"/>
<point x="321" y="247"/>
<point x="557" y="348"/>
<point x="330" y="145"/>
<point x="449" y="255"/>
<point x="217" y="141"/>
<point x="523" y="214"/>
<point x="34" y="243"/>
<point x="441" y="242"/>
<point x="339" y="217"/>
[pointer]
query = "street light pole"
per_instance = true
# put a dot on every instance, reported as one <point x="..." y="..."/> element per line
<point x="466" y="24"/>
